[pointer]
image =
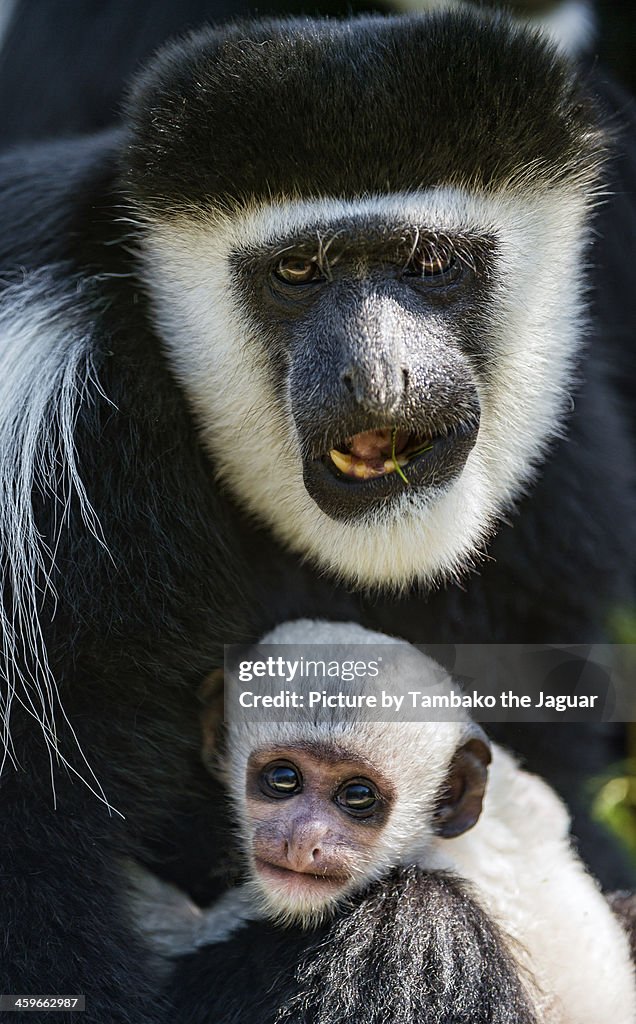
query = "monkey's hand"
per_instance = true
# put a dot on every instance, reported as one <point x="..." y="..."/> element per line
<point x="172" y="924"/>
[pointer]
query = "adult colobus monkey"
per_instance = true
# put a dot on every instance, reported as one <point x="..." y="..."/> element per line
<point x="313" y="250"/>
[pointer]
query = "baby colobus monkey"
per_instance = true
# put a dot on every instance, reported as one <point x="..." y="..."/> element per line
<point x="326" y="805"/>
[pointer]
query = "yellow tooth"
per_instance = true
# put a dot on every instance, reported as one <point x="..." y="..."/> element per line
<point x="343" y="462"/>
<point x="389" y="466"/>
<point x="365" y="472"/>
<point x="402" y="460"/>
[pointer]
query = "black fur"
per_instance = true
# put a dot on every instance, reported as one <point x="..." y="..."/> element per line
<point x="624" y="906"/>
<point x="319" y="108"/>
<point x="417" y="949"/>
<point x="136" y="627"/>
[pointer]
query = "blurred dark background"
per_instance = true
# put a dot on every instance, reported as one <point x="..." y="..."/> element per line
<point x="64" y="63"/>
<point x="617" y="40"/>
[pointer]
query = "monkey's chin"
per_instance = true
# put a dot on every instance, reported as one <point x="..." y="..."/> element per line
<point x="293" y="897"/>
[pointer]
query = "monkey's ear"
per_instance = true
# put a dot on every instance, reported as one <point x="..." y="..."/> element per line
<point x="212" y="686"/>
<point x="211" y="696"/>
<point x="459" y="804"/>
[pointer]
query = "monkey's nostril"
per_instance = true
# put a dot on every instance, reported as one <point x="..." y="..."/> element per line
<point x="315" y="854"/>
<point x="405" y="379"/>
<point x="347" y="380"/>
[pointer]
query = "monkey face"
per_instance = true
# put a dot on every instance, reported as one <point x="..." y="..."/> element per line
<point x="372" y="303"/>
<point x="322" y="818"/>
<point x="315" y="822"/>
<point x="369" y="344"/>
<point x="378" y="421"/>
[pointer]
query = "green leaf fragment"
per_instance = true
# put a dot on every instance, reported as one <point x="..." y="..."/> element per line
<point x="412" y="455"/>
<point x="420" y="451"/>
<point x="398" y="469"/>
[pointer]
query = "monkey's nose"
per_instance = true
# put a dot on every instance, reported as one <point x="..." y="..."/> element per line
<point x="377" y="389"/>
<point x="305" y="853"/>
<point x="304" y="858"/>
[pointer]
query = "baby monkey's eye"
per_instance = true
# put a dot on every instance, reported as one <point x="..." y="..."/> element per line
<point x="358" y="797"/>
<point x="280" y="779"/>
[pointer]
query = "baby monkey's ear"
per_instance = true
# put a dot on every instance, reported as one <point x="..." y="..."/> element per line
<point x="459" y="803"/>
<point x="211" y="696"/>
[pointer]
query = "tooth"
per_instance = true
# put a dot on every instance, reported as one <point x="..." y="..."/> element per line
<point x="365" y="472"/>
<point x="389" y="466"/>
<point x="402" y="460"/>
<point x="343" y="462"/>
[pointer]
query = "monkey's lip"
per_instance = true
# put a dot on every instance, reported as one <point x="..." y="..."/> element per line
<point x="345" y="483"/>
<point x="299" y="879"/>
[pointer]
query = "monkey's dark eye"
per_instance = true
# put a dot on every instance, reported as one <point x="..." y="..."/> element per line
<point x="296" y="270"/>
<point x="357" y="797"/>
<point x="431" y="263"/>
<point x="280" y="779"/>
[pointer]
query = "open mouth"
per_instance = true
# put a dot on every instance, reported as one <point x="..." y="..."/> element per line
<point x="375" y="453"/>
<point x="381" y="464"/>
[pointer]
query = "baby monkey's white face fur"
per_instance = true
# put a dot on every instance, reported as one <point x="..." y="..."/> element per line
<point x="325" y="807"/>
<point x="375" y="368"/>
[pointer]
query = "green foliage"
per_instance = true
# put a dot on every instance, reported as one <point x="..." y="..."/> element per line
<point x="622" y="625"/>
<point x="614" y="803"/>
